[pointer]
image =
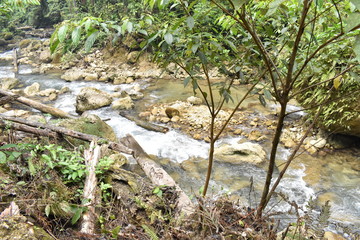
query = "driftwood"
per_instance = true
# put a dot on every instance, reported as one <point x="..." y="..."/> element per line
<point x="6" y="99"/>
<point x="157" y="174"/>
<point x="144" y="124"/>
<point x="89" y="218"/>
<point x="39" y="106"/>
<point x="55" y="132"/>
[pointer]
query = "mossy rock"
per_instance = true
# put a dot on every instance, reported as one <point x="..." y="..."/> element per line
<point x="89" y="124"/>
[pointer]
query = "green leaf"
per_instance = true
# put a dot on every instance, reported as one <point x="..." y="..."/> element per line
<point x="267" y="94"/>
<point x="6" y="146"/>
<point x="273" y="6"/>
<point x="357" y="48"/>
<point x="62" y="32"/>
<point x="76" y="35"/>
<point x="190" y="22"/>
<point x="54" y="45"/>
<point x="238" y="3"/>
<point x="47" y="210"/>
<point x="76" y="215"/>
<point x="2" y="157"/>
<point x="195" y="47"/>
<point x="186" y="81"/>
<point x="262" y="100"/>
<point x="129" y="27"/>
<point x="202" y="57"/>
<point x="356" y="3"/>
<point x="90" y="41"/>
<point x="87" y="24"/>
<point x="31" y="167"/>
<point x="144" y="32"/>
<point x="169" y="38"/>
<point x="352" y="21"/>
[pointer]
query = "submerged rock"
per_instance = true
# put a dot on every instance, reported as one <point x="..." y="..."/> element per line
<point x="239" y="153"/>
<point x="92" y="98"/>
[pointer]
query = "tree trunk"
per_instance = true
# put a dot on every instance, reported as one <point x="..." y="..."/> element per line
<point x="157" y="174"/>
<point x="6" y="99"/>
<point x="53" y="131"/>
<point x="144" y="124"/>
<point x="39" y="106"/>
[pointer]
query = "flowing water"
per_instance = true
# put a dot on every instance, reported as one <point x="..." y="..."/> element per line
<point x="331" y="177"/>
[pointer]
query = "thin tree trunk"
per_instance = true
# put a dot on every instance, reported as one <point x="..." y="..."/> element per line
<point x="157" y="174"/>
<point x="53" y="131"/>
<point x="16" y="63"/>
<point x="39" y="106"/>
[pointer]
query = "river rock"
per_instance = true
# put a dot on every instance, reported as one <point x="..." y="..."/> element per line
<point x="24" y="43"/>
<point x="119" y="80"/>
<point x="333" y="236"/>
<point x="194" y="100"/>
<point x="32" y="90"/>
<point x="132" y="57"/>
<point x="73" y="74"/>
<point x="90" y="76"/>
<point x="9" y="83"/>
<point x="123" y="103"/>
<point x="45" y="56"/>
<point x="47" y="92"/>
<point x="92" y="98"/>
<point x="172" y="112"/>
<point x="240" y="152"/>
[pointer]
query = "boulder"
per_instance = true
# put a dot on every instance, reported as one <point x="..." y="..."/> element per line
<point x="9" y="83"/>
<point x="91" y="76"/>
<point x="123" y="103"/>
<point x="132" y="57"/>
<point x="92" y="98"/>
<point x="47" y="92"/>
<point x="32" y="90"/>
<point x="89" y="124"/>
<point x="240" y="152"/>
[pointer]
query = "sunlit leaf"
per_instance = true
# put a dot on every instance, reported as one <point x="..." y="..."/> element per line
<point x="190" y="22"/>
<point x="352" y="21"/>
<point x="238" y="3"/>
<point x="337" y="82"/>
<point x="76" y="35"/>
<point x="356" y="3"/>
<point x="129" y="27"/>
<point x="31" y="167"/>
<point x="168" y="38"/>
<point x="62" y="32"/>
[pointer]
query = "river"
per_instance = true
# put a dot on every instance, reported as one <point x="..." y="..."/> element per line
<point x="330" y="177"/>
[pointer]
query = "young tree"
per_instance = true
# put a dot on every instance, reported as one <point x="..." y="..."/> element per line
<point x="295" y="47"/>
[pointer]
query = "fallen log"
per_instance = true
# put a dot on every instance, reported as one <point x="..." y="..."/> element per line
<point x="89" y="218"/>
<point x="7" y="99"/>
<point x="28" y="129"/>
<point x="144" y="124"/>
<point x="39" y="106"/>
<point x="54" y="131"/>
<point x="157" y="174"/>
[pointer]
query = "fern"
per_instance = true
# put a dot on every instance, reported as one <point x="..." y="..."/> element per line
<point x="150" y="232"/>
